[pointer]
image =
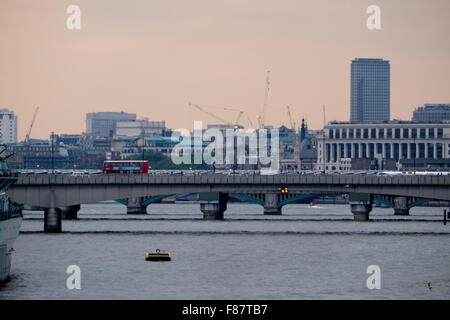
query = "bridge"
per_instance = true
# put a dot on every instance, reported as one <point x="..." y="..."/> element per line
<point x="61" y="195"/>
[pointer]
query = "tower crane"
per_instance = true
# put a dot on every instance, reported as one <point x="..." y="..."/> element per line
<point x="236" y="122"/>
<point x="241" y="112"/>
<point x="262" y="118"/>
<point x="250" y="122"/>
<point x="290" y="118"/>
<point x="27" y="137"/>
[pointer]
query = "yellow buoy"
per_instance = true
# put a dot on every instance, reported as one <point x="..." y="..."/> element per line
<point x="158" y="256"/>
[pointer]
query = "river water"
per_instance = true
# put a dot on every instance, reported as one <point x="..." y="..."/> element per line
<point x="307" y="253"/>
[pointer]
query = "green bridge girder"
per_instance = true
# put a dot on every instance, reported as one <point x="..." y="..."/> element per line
<point x="387" y="203"/>
<point x="411" y="205"/>
<point x="249" y="198"/>
<point x="418" y="203"/>
<point x="147" y="201"/>
<point x="281" y="203"/>
<point x="298" y="197"/>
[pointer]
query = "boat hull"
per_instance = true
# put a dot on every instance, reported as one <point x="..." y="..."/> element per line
<point x="9" y="231"/>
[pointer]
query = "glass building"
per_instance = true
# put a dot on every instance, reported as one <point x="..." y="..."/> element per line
<point x="370" y="91"/>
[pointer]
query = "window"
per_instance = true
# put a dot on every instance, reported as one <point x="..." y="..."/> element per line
<point x="439" y="150"/>
<point x="397" y="133"/>
<point x="405" y="133"/>
<point x="422" y="133"/>
<point x="439" y="133"/>
<point x="381" y="133"/>
<point x="421" y="150"/>
<point x="389" y="133"/>
<point x="387" y="147"/>
<point x="404" y="150"/>
<point x="366" y="134"/>
<point x="358" y="133"/>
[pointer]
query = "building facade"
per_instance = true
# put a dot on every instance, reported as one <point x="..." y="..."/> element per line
<point x="370" y="91"/>
<point x="102" y="123"/>
<point x="37" y="156"/>
<point x="141" y="127"/>
<point x="432" y="113"/>
<point x="8" y="126"/>
<point x="397" y="145"/>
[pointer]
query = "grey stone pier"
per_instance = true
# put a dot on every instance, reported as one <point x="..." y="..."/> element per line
<point x="361" y="211"/>
<point x="70" y="212"/>
<point x="271" y="204"/>
<point x="52" y="220"/>
<point x="401" y="206"/>
<point x="134" y="206"/>
<point x="213" y="209"/>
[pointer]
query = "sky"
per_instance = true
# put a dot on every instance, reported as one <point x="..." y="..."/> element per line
<point x="154" y="57"/>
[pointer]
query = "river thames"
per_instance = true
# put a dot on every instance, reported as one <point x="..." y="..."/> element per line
<point x="306" y="253"/>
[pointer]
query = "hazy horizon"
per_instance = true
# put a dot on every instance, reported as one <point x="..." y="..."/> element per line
<point x="153" y="57"/>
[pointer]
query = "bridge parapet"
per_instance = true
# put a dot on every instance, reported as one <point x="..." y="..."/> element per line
<point x="71" y="190"/>
<point x="60" y="191"/>
<point x="46" y="179"/>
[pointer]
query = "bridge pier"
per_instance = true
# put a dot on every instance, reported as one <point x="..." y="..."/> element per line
<point x="134" y="206"/>
<point x="271" y="204"/>
<point x="214" y="209"/>
<point x="70" y="212"/>
<point x="52" y="220"/>
<point x="360" y="205"/>
<point x="401" y="206"/>
<point x="361" y="211"/>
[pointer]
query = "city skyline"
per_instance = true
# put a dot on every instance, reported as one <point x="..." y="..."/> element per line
<point x="171" y="54"/>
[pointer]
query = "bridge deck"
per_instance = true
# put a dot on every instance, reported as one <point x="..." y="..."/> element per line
<point x="63" y="190"/>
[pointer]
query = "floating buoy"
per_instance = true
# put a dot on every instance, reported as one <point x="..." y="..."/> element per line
<point x="158" y="256"/>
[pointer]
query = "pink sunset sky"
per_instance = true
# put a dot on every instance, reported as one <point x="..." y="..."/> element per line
<point x="153" y="57"/>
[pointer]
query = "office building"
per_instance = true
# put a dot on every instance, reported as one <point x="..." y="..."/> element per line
<point x="370" y="91"/>
<point x="102" y="123"/>
<point x="141" y="128"/>
<point x="8" y="126"/>
<point x="384" y="146"/>
<point x="432" y="113"/>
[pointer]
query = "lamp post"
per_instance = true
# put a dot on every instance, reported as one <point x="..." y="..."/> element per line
<point x="53" y="154"/>
<point x="323" y="149"/>
<point x="235" y="149"/>
<point x="141" y="143"/>
<point x="415" y="151"/>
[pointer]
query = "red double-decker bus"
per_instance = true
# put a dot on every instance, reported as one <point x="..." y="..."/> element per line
<point x="126" y="167"/>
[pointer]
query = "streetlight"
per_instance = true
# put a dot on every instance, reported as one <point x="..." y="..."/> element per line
<point x="141" y="143"/>
<point x="235" y="148"/>
<point x="53" y="154"/>
<point x="415" y="151"/>
<point x="312" y="160"/>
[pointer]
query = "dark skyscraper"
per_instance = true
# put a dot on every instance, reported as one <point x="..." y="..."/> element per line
<point x="370" y="90"/>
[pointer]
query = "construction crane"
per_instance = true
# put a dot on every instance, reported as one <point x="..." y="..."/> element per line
<point x="262" y="118"/>
<point x="250" y="122"/>
<point x="290" y="118"/>
<point x="241" y="112"/>
<point x="27" y="137"/>
<point x="236" y="122"/>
